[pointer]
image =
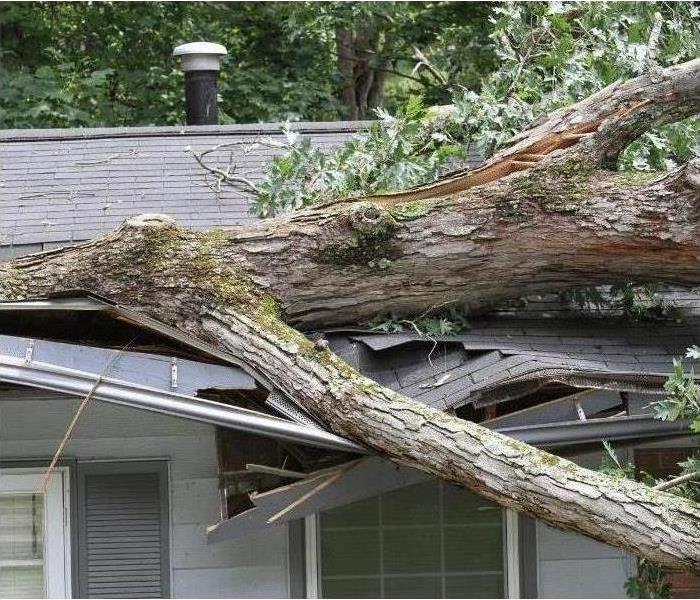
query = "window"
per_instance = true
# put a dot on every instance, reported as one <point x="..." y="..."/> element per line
<point x="427" y="540"/>
<point x="34" y="539"/>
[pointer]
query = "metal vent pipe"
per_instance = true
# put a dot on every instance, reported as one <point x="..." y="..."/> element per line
<point x="201" y="62"/>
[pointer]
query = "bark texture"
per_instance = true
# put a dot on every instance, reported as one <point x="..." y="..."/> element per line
<point x="543" y="215"/>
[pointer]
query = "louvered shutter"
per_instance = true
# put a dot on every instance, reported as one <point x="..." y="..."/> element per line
<point x="124" y="534"/>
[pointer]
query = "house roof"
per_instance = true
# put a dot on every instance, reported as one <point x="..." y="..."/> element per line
<point x="65" y="185"/>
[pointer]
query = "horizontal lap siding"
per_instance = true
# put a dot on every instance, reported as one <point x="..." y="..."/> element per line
<point x="123" y="536"/>
<point x="31" y="427"/>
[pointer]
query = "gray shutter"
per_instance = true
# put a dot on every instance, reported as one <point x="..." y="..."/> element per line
<point x="123" y="543"/>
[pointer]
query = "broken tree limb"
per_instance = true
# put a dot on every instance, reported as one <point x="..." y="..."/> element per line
<point x="594" y="131"/>
<point x="676" y="481"/>
<point x="560" y="221"/>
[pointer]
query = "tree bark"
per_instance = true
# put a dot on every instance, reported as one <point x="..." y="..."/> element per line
<point x="542" y="215"/>
<point x="362" y="70"/>
<point x="346" y="69"/>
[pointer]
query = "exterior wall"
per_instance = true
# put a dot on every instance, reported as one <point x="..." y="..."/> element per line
<point x="32" y="424"/>
<point x="572" y="566"/>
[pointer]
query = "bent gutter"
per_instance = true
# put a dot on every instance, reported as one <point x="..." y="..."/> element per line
<point x="571" y="433"/>
<point x="116" y="391"/>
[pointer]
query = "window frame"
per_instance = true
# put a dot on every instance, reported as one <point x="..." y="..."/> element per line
<point x="57" y="530"/>
<point x="511" y="555"/>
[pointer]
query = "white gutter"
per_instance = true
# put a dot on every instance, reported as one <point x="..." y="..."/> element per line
<point x="116" y="391"/>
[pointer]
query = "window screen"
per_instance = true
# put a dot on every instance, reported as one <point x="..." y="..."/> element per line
<point x="429" y="540"/>
<point x="21" y="546"/>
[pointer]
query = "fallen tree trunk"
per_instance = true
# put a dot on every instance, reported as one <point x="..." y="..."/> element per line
<point x="543" y="215"/>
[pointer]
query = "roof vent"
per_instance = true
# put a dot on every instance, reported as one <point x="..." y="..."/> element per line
<point x="201" y="62"/>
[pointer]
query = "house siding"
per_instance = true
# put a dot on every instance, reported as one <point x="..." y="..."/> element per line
<point x="32" y="423"/>
<point x="570" y="565"/>
<point x="573" y="566"/>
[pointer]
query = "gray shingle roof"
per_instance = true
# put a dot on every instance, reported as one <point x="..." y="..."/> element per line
<point x="65" y="185"/>
<point x="506" y="358"/>
<point x="59" y="186"/>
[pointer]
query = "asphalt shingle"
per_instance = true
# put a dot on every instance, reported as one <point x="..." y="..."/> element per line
<point x="69" y="185"/>
<point x="484" y="365"/>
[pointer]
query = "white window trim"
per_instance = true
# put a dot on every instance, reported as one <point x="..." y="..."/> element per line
<point x="511" y="550"/>
<point x="312" y="558"/>
<point x="512" y="553"/>
<point x="57" y="553"/>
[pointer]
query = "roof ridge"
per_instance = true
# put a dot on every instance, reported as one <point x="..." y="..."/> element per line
<point x="42" y="135"/>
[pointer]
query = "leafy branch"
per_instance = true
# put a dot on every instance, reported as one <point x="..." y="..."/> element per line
<point x="637" y="302"/>
<point x="682" y="401"/>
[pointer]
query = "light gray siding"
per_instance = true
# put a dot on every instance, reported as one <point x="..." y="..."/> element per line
<point x="570" y="565"/>
<point x="32" y="424"/>
<point x="573" y="566"/>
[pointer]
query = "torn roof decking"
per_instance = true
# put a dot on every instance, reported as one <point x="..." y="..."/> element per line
<point x="497" y="360"/>
<point x="83" y="318"/>
<point x="504" y="358"/>
<point x="156" y="371"/>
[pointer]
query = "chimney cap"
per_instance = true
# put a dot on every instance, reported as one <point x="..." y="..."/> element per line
<point x="200" y="56"/>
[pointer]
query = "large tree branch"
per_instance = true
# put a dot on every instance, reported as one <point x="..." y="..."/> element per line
<point x="554" y="227"/>
<point x="188" y="280"/>
<point x="555" y="222"/>
<point x="593" y="131"/>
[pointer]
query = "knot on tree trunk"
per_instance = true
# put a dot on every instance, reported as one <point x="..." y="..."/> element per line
<point x="367" y="217"/>
<point x="151" y="221"/>
<point x="366" y="239"/>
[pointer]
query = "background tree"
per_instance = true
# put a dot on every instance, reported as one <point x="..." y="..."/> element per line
<point x="104" y="63"/>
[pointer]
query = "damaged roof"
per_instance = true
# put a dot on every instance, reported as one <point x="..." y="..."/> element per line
<point x="504" y="358"/>
<point x="62" y="186"/>
<point x="500" y="358"/>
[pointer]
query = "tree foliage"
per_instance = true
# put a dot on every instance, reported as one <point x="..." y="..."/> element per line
<point x="550" y="55"/>
<point x="110" y="64"/>
<point x="682" y="400"/>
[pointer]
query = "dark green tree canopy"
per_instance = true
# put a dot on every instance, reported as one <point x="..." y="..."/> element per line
<point x="105" y="63"/>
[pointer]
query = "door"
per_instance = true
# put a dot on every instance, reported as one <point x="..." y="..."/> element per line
<point x="34" y="534"/>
